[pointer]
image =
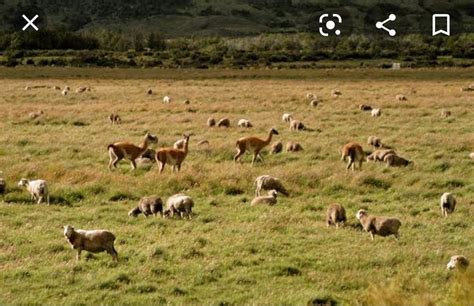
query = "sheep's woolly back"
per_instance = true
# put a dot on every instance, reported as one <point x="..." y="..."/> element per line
<point x="267" y="182"/>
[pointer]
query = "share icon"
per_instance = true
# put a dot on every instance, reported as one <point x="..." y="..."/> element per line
<point x="380" y="25"/>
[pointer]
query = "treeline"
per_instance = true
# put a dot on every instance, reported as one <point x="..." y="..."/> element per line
<point x="105" y="48"/>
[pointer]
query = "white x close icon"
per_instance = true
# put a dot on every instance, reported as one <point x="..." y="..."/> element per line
<point x="30" y="22"/>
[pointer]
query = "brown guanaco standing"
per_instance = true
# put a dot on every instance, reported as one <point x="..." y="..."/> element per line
<point x="173" y="157"/>
<point x="254" y="145"/>
<point x="126" y="150"/>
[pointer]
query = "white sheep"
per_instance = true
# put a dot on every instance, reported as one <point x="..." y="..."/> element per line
<point x="166" y="99"/>
<point x="151" y="205"/>
<point x="381" y="226"/>
<point x="270" y="199"/>
<point x="445" y="113"/>
<point x="179" y="204"/>
<point x="38" y="189"/>
<point x="292" y="146"/>
<point x="459" y="262"/>
<point x="286" y="117"/>
<point x="393" y="160"/>
<point x="277" y="147"/>
<point x="224" y="122"/>
<point x="34" y="115"/>
<point x="94" y="241"/>
<point x="310" y="96"/>
<point x="374" y="141"/>
<point x="471" y="155"/>
<point x="314" y="102"/>
<point x="378" y="155"/>
<point x="447" y="203"/>
<point x="296" y="125"/>
<point x="64" y="92"/>
<point x="244" y="123"/>
<point x="376" y="112"/>
<point x="81" y="89"/>
<point x="267" y="182"/>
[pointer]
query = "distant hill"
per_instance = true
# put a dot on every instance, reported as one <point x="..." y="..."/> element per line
<point x="176" y="18"/>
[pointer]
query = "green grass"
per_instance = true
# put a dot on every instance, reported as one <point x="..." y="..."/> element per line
<point x="230" y="252"/>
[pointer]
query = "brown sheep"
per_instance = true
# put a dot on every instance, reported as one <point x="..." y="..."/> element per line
<point x="394" y="160"/>
<point x="224" y="122"/>
<point x="381" y="226"/>
<point x="94" y="241"/>
<point x="277" y="147"/>
<point x="292" y="146"/>
<point x="378" y="155"/>
<point x="211" y="122"/>
<point x="374" y="142"/>
<point x="335" y="215"/>
<point x="151" y="205"/>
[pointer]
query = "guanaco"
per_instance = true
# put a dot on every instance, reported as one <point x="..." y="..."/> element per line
<point x="355" y="153"/>
<point x="173" y="157"/>
<point x="254" y="145"/>
<point x="129" y="151"/>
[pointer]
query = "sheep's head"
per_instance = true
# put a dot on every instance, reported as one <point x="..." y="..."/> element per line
<point x="459" y="262"/>
<point x="360" y="214"/>
<point x="151" y="138"/>
<point x="23" y="182"/>
<point x="273" y="193"/>
<point x="134" y="212"/>
<point x="68" y="230"/>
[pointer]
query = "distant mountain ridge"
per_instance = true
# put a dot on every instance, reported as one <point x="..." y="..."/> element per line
<point x="177" y="18"/>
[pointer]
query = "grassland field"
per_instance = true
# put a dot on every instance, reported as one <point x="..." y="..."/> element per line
<point x="231" y="252"/>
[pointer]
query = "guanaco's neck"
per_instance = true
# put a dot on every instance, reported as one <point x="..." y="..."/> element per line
<point x="269" y="137"/>
<point x="144" y="145"/>
<point x="185" y="149"/>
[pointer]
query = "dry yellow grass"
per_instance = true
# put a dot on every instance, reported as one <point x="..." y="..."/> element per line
<point x="231" y="252"/>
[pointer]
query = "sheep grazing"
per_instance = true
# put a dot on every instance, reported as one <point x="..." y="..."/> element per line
<point x="310" y="96"/>
<point x="335" y="215"/>
<point x="64" y="92"/>
<point x="149" y="91"/>
<point x="401" y="98"/>
<point x="376" y="112"/>
<point x="336" y="93"/>
<point x="38" y="189"/>
<point x="286" y="117"/>
<point x="211" y="122"/>
<point x="277" y="147"/>
<point x="224" y="122"/>
<point x="94" y="241"/>
<point x="56" y="88"/>
<point x="459" y="262"/>
<point x="393" y="160"/>
<point x="179" y="204"/>
<point x="292" y="146"/>
<point x="469" y="88"/>
<point x="81" y="89"/>
<point x="34" y="115"/>
<point x="27" y="88"/>
<point x="445" y="113"/>
<point x="447" y="204"/>
<point x="267" y="182"/>
<point x="270" y="199"/>
<point x="115" y="119"/>
<point x="381" y="226"/>
<point x="365" y="107"/>
<point x="314" y="103"/>
<point x="471" y="155"/>
<point x="296" y="125"/>
<point x="151" y="205"/>
<point x="244" y="123"/>
<point x="374" y="142"/>
<point x="378" y="155"/>
<point x="355" y="153"/>
<point x="166" y="99"/>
